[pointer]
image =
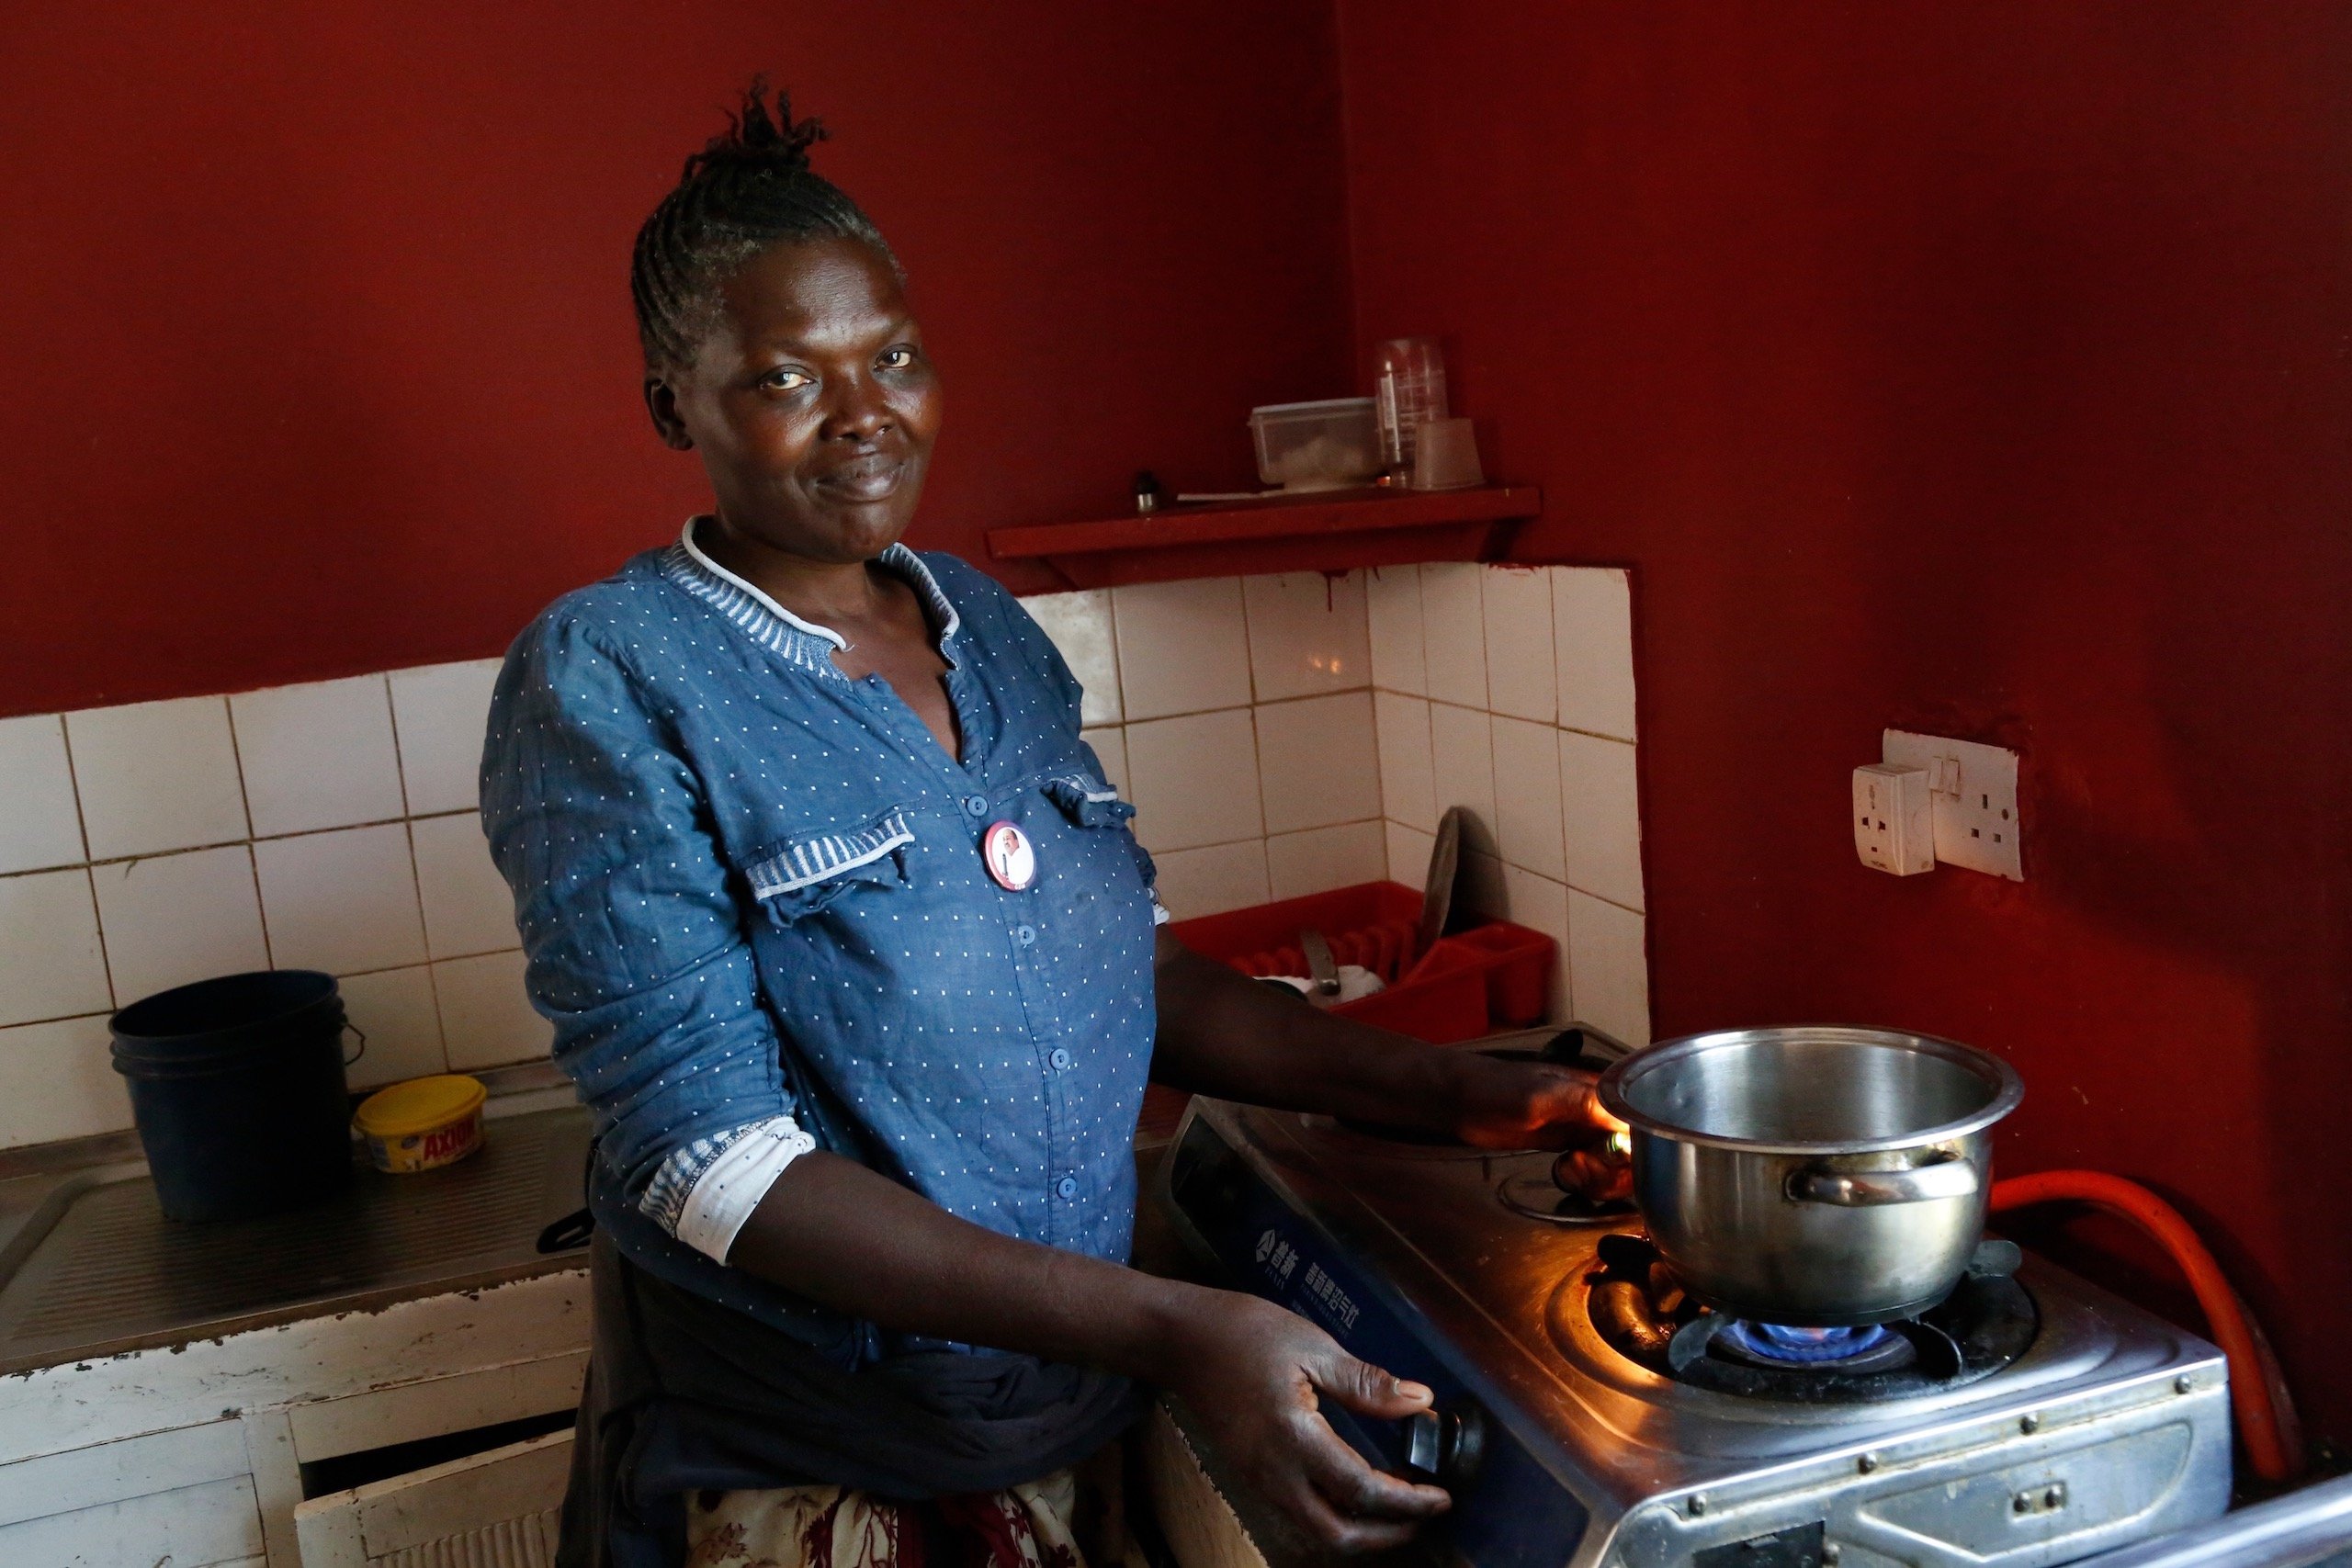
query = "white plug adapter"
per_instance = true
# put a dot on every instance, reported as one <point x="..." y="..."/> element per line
<point x="1894" y="827"/>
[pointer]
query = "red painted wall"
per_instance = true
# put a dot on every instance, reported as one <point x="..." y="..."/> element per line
<point x="317" y="319"/>
<point x="1979" y="369"/>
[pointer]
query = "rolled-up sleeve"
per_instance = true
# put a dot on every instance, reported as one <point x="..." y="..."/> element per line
<point x="635" y="942"/>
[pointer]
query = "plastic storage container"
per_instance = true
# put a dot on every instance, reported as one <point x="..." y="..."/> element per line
<point x="237" y="1087"/>
<point x="1322" y="445"/>
<point x="422" y="1124"/>
<point x="1474" y="982"/>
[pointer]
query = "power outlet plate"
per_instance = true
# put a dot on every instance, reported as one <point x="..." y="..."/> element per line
<point x="1972" y="791"/>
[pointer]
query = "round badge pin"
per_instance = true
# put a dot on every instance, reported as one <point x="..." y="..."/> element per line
<point x="1010" y="856"/>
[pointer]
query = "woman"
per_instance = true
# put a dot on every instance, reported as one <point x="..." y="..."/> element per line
<point x="848" y="945"/>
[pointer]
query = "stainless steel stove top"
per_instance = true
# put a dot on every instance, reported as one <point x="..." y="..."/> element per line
<point x="2111" y="1428"/>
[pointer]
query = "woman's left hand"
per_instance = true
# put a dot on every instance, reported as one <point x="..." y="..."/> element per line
<point x="1503" y="1104"/>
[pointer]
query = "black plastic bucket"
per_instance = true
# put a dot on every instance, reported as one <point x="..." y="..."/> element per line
<point x="237" y="1087"/>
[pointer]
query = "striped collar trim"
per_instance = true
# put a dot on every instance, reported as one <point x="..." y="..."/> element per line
<point x="769" y="624"/>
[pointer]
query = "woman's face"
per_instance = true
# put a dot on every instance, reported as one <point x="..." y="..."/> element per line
<point x="811" y="401"/>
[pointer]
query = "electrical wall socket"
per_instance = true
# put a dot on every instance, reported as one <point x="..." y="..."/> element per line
<point x="1894" y="824"/>
<point x="1972" y="791"/>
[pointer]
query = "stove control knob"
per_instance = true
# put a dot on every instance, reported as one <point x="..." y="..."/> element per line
<point x="1444" y="1445"/>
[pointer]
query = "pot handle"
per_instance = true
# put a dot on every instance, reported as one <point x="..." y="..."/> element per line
<point x="1870" y="1188"/>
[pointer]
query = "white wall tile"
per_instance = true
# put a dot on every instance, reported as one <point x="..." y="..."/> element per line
<point x="1409" y="853"/>
<point x="393" y="1008"/>
<point x="1109" y="744"/>
<point x="1520" y="677"/>
<point x="57" y="1080"/>
<point x="1461" y="744"/>
<point x="51" y="963"/>
<point x="1592" y="628"/>
<point x="171" y="919"/>
<point x="1540" y="904"/>
<point x="1608" y="967"/>
<point x="1393" y="610"/>
<point x="1306" y="634"/>
<point x="1453" y="625"/>
<point x="1407" y="784"/>
<point x="39" y="826"/>
<point x="1184" y="647"/>
<point x="343" y="901"/>
<point x="441" y="712"/>
<point x="1325" y="858"/>
<point x="1601" y="818"/>
<point x="467" y="907"/>
<point x="1527" y="797"/>
<point x="1194" y="780"/>
<point x="1080" y="624"/>
<point x="318" y="755"/>
<point x="1318" y="761"/>
<point x="487" y="1019"/>
<point x="156" y="776"/>
<point x="1211" y="881"/>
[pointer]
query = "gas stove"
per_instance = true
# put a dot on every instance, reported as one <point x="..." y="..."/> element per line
<point x="1590" y="1417"/>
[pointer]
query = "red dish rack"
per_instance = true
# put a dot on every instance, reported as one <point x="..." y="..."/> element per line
<point x="1489" y="977"/>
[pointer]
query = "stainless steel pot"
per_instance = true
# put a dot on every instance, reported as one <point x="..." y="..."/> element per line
<point x="1815" y="1175"/>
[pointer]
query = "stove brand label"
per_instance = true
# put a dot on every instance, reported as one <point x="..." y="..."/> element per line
<point x="1278" y="1256"/>
<point x="1329" y="1297"/>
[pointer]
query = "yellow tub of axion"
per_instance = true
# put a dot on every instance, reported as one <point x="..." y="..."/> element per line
<point x="423" y="1123"/>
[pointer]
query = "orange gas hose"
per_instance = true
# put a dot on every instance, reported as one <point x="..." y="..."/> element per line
<point x="2265" y="1411"/>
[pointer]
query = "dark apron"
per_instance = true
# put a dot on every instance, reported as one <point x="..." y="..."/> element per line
<point x="685" y="1395"/>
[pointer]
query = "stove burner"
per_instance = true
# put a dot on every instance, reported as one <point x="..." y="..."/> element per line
<point x="1635" y="1304"/>
<point x="1787" y="1344"/>
<point x="1536" y="1195"/>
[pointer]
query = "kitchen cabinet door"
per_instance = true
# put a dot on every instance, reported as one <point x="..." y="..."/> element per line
<point x="496" y="1507"/>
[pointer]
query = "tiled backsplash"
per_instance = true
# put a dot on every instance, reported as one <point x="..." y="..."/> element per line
<point x="1278" y="734"/>
<point x="1282" y="735"/>
<point x="329" y="825"/>
<point x="1510" y="690"/>
<point x="1237" y="715"/>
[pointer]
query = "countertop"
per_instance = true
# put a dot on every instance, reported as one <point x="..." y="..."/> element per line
<point x="90" y="1268"/>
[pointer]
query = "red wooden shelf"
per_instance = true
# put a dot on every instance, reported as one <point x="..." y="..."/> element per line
<point x="1329" y="531"/>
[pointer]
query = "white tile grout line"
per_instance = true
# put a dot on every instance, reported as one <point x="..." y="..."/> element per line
<point x="253" y="862"/>
<point x="354" y="974"/>
<point x="237" y="756"/>
<point x="416" y="891"/>
<point x="248" y="844"/>
<point x="1118" y="664"/>
<point x="1248" y="649"/>
<point x="1504" y="860"/>
<point x="98" y="924"/>
<point x="1232" y="707"/>
<point x="399" y="761"/>
<point x="81" y="822"/>
<point x="1491" y="713"/>
<point x="82" y="827"/>
<point x="1254" y="839"/>
<point x="61" y="1018"/>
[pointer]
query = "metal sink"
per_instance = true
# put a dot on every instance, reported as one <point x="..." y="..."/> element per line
<point x="89" y="1267"/>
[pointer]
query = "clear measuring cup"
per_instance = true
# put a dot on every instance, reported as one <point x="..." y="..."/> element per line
<point x="1411" y="392"/>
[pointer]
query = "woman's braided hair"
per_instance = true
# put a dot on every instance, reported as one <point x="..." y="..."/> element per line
<point x="748" y="189"/>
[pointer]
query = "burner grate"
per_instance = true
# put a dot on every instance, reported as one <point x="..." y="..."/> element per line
<point x="1634" y="1303"/>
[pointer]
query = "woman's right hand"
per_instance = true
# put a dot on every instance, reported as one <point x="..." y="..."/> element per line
<point x="1252" y="1375"/>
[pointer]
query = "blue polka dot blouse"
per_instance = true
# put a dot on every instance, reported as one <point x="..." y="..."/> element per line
<point x="753" y="888"/>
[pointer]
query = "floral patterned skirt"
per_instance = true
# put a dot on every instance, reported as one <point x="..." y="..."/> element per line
<point x="1072" y="1518"/>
